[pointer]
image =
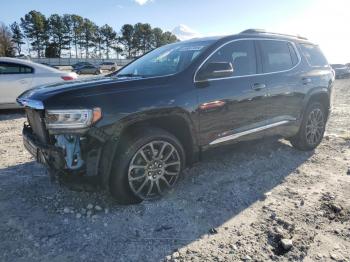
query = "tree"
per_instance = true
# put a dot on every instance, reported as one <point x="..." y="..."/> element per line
<point x="142" y="40"/>
<point x="35" y="28"/>
<point x="98" y="39"/>
<point x="52" y="51"/>
<point x="169" y="38"/>
<point x="68" y="23"/>
<point x="109" y="37"/>
<point x="59" y="33"/>
<point x="77" y="29"/>
<point x="158" y="38"/>
<point x="89" y="30"/>
<point x="17" y="37"/>
<point x="127" y="35"/>
<point x="6" y="44"/>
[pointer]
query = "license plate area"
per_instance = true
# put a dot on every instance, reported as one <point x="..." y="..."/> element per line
<point x="34" y="150"/>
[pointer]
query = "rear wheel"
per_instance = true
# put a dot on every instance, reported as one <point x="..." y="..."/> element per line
<point x="147" y="166"/>
<point x="312" y="128"/>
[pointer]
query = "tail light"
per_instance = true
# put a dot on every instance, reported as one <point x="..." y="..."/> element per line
<point x="67" y="78"/>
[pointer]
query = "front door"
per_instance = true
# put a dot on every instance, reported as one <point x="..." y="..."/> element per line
<point x="233" y="106"/>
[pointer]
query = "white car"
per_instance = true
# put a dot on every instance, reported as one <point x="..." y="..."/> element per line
<point x="111" y="66"/>
<point x="17" y="76"/>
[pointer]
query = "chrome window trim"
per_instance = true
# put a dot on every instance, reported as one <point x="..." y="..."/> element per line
<point x="246" y="39"/>
<point x="247" y="132"/>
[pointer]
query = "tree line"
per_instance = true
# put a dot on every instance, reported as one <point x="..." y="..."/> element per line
<point x="75" y="36"/>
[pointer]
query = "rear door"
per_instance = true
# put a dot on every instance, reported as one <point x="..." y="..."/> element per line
<point x="14" y="80"/>
<point x="282" y="76"/>
<point x="318" y="77"/>
<point x="233" y="106"/>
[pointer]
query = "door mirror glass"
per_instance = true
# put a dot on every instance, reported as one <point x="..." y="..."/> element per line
<point x="215" y="70"/>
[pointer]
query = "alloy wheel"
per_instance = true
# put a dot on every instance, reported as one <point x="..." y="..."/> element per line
<point x="315" y="126"/>
<point x="154" y="169"/>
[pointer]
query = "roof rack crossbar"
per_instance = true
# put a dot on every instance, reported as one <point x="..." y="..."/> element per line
<point x="262" y="31"/>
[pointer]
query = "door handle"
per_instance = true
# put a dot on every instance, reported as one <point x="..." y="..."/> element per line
<point x="23" y="81"/>
<point x="306" y="80"/>
<point x="258" y="86"/>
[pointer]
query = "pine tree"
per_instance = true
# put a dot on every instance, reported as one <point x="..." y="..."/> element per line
<point x="17" y="37"/>
<point x="58" y="32"/>
<point x="109" y="38"/>
<point x="127" y="35"/>
<point x="35" y="27"/>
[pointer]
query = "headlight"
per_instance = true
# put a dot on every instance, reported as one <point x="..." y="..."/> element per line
<point x="71" y="119"/>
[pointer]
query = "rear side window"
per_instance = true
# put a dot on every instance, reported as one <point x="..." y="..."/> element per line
<point x="314" y="55"/>
<point x="11" y="68"/>
<point x="241" y="54"/>
<point x="277" y="55"/>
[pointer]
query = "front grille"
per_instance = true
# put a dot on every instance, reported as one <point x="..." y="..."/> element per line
<point x="36" y="121"/>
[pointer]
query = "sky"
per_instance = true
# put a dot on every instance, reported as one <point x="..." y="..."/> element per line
<point x="324" y="22"/>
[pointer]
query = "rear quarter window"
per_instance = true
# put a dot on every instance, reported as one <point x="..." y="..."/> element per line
<point x="12" y="68"/>
<point x="277" y="55"/>
<point x="313" y="55"/>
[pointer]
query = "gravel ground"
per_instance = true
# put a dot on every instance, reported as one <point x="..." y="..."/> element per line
<point x="254" y="201"/>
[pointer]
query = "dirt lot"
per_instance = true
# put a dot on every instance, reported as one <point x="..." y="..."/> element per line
<point x="243" y="202"/>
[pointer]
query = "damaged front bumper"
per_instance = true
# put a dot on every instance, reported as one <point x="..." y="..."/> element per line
<point x="43" y="153"/>
<point x="68" y="153"/>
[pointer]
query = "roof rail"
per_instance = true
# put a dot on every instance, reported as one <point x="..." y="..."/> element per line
<point x="262" y="31"/>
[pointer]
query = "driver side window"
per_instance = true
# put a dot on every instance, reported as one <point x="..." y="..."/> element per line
<point x="241" y="54"/>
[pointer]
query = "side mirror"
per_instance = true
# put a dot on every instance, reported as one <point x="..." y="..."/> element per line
<point x="215" y="70"/>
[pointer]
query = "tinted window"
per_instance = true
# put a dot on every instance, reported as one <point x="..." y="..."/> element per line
<point x="241" y="54"/>
<point x="276" y="56"/>
<point x="11" y="68"/>
<point x="293" y="54"/>
<point x="313" y="55"/>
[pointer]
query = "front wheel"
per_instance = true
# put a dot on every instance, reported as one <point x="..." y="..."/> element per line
<point x="312" y="128"/>
<point x="147" y="166"/>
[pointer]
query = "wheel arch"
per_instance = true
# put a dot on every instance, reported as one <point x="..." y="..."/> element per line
<point x="322" y="96"/>
<point x="176" y="122"/>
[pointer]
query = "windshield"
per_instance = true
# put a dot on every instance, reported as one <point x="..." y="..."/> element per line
<point x="166" y="60"/>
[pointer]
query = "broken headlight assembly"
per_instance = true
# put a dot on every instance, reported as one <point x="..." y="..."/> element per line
<point x="72" y="118"/>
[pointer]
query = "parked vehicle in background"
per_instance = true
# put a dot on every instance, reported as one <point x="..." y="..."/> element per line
<point x="88" y="69"/>
<point x="139" y="128"/>
<point x="18" y="75"/>
<point x="111" y="66"/>
<point x="341" y="71"/>
<point x="46" y="64"/>
<point x="80" y="64"/>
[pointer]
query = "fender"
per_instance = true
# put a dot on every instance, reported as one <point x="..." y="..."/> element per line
<point x="322" y="92"/>
<point x="145" y="118"/>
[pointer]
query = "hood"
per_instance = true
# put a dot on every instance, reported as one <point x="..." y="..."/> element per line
<point x="91" y="87"/>
<point x="45" y="91"/>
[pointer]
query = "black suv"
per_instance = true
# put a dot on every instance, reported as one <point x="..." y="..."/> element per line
<point x="138" y="128"/>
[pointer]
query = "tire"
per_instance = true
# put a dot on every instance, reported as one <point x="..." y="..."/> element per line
<point x="311" y="131"/>
<point x="97" y="72"/>
<point x="134" y="173"/>
<point x="113" y="69"/>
